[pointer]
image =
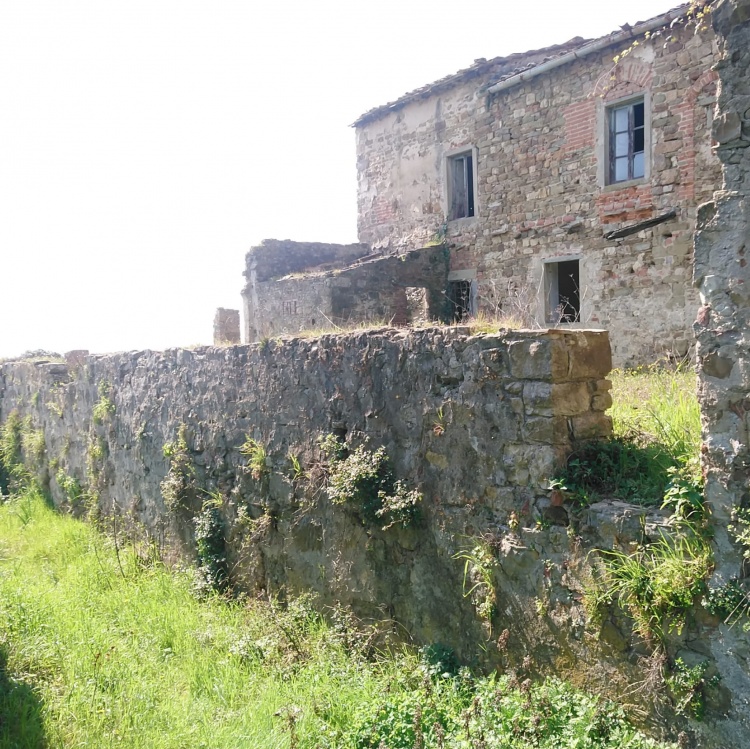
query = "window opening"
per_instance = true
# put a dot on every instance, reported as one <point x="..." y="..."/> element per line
<point x="460" y="300"/>
<point x="562" y="282"/>
<point x="461" y="186"/>
<point x="627" y="142"/>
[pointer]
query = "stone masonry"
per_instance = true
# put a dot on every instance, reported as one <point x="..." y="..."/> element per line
<point x="543" y="202"/>
<point x="226" y="327"/>
<point x="722" y="276"/>
<point x="477" y="423"/>
<point x="296" y="286"/>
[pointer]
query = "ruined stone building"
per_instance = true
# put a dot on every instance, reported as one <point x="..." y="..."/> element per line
<point x="561" y="185"/>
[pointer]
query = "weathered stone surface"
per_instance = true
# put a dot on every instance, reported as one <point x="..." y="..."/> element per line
<point x="226" y="327"/>
<point x="297" y="286"/>
<point x="722" y="277"/>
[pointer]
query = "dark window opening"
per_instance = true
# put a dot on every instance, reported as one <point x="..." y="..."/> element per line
<point x="563" y="287"/>
<point x="460" y="304"/>
<point x="627" y="142"/>
<point x="461" y="186"/>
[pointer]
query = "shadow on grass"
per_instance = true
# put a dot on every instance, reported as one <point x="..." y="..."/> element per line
<point x="619" y="468"/>
<point x="21" y="724"/>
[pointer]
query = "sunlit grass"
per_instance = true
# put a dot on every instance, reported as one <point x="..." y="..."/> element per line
<point x="658" y="405"/>
<point x="101" y="651"/>
<point x="656" y="440"/>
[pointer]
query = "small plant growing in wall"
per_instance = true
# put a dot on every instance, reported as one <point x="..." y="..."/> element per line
<point x="740" y="528"/>
<point x="688" y="687"/>
<point x="364" y="479"/>
<point x="257" y="458"/>
<point x="32" y="442"/>
<point x="440" y="423"/>
<point x="297" y="472"/>
<point x="211" y="546"/>
<point x="179" y="484"/>
<point x="104" y="408"/>
<point x="729" y="602"/>
<point x="478" y="584"/>
<point x="69" y="487"/>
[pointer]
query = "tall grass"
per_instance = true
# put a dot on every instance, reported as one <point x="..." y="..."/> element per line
<point x="656" y="440"/>
<point x="100" y="647"/>
<point x="658" y="405"/>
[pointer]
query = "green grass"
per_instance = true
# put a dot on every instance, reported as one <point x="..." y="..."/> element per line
<point x="656" y="440"/>
<point x="107" y="649"/>
<point x="658" y="406"/>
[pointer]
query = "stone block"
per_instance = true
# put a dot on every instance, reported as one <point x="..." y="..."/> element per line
<point x="589" y="355"/>
<point x="549" y="430"/>
<point x="531" y="358"/>
<point x="593" y="425"/>
<point x="571" y="398"/>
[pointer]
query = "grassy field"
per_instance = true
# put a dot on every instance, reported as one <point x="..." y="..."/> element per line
<point x="100" y="648"/>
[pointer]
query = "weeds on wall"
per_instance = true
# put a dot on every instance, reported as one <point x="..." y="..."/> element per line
<point x="730" y="603"/>
<point x="32" y="443"/>
<point x="22" y="450"/>
<point x="213" y="573"/>
<point x="740" y="528"/>
<point x="104" y="408"/>
<point x="11" y="455"/>
<point x="478" y="583"/>
<point x="689" y="687"/>
<point x="179" y="485"/>
<point x="658" y="583"/>
<point x="364" y="480"/>
<point x="69" y="486"/>
<point x="257" y="459"/>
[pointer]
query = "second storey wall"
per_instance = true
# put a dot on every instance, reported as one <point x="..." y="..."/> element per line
<point x="541" y="195"/>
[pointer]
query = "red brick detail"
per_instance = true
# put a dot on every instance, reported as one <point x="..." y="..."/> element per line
<point x="633" y="203"/>
<point x="622" y="89"/>
<point x="382" y="211"/>
<point x="710" y="76"/>
<point x="629" y="71"/>
<point x="686" y="110"/>
<point x="580" y="124"/>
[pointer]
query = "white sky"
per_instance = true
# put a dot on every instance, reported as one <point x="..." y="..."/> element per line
<point x="145" y="145"/>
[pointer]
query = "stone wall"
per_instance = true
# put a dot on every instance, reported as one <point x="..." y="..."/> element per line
<point x="722" y="276"/>
<point x="478" y="424"/>
<point x="274" y="259"/>
<point x="226" y="327"/>
<point x="340" y="292"/>
<point x="540" y="185"/>
<point x="495" y="566"/>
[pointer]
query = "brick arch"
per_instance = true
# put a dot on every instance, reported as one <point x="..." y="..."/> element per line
<point x="625" y="77"/>
<point x="709" y="77"/>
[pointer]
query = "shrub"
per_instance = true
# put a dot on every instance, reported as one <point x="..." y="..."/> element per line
<point x="104" y="408"/>
<point x="364" y="479"/>
<point x="179" y="485"/>
<point x="209" y="539"/>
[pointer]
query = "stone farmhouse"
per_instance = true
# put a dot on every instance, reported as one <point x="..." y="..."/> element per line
<point x="558" y="186"/>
